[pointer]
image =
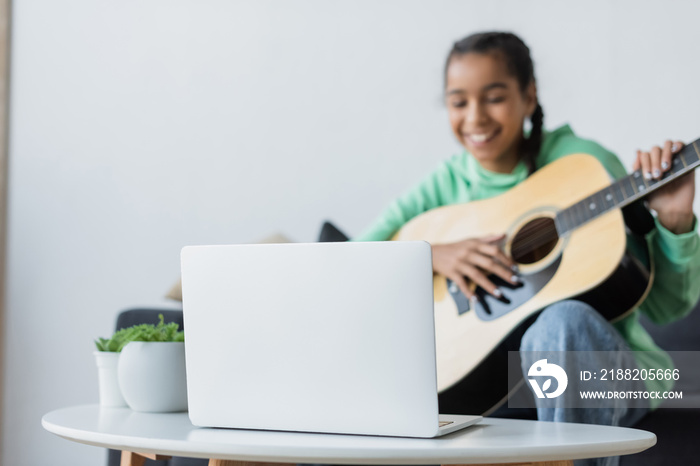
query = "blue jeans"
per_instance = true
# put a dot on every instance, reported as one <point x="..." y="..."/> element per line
<point x="575" y="326"/>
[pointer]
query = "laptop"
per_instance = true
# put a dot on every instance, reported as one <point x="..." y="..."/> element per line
<point x="317" y="337"/>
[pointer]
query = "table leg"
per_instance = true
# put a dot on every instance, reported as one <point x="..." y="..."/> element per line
<point x="130" y="458"/>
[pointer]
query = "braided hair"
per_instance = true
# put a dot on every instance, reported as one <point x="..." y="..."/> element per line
<point x="519" y="64"/>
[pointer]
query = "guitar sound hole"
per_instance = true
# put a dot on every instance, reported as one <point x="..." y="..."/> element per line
<point x="534" y="241"/>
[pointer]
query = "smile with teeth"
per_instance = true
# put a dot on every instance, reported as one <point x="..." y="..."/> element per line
<point x="481" y="138"/>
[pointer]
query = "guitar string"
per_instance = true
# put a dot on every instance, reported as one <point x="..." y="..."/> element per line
<point x="530" y="242"/>
<point x="527" y="243"/>
<point x="534" y="242"/>
<point x="535" y="229"/>
<point x="533" y="236"/>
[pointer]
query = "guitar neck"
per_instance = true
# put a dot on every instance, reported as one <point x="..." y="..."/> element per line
<point x="625" y="191"/>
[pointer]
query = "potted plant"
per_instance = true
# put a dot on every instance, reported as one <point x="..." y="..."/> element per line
<point x="150" y="367"/>
<point x="107" y="362"/>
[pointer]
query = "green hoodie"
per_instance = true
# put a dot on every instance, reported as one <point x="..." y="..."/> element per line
<point x="676" y="286"/>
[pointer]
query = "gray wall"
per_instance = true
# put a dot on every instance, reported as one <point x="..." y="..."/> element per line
<point x="138" y="127"/>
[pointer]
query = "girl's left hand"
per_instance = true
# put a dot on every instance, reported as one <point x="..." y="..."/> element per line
<point x="673" y="203"/>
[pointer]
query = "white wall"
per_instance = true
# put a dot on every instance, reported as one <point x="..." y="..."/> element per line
<point x="140" y="126"/>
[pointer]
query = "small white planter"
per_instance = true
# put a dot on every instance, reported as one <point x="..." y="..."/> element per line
<point x="110" y="393"/>
<point x="152" y="376"/>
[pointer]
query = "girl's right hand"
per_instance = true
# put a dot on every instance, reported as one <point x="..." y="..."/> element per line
<point x="474" y="259"/>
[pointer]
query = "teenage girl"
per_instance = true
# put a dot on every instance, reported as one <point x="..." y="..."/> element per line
<point x="490" y="93"/>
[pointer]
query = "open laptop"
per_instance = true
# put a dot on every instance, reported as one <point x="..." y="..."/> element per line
<point x="316" y="337"/>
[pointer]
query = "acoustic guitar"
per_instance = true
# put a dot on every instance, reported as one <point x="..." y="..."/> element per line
<point x="565" y="231"/>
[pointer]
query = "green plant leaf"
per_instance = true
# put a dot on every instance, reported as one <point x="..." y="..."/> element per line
<point x="143" y="332"/>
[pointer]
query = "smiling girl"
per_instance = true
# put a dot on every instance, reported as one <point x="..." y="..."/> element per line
<point x="491" y="94"/>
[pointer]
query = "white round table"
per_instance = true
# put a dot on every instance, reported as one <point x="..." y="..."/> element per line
<point x="493" y="441"/>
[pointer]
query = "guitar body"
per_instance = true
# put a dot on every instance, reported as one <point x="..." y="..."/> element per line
<point x="473" y="343"/>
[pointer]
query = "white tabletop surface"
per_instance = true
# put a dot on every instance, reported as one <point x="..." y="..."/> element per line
<point x="491" y="441"/>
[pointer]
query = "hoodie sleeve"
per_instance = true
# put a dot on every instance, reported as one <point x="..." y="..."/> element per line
<point x="676" y="287"/>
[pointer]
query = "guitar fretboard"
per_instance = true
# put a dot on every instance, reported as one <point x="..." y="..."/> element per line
<point x="625" y="191"/>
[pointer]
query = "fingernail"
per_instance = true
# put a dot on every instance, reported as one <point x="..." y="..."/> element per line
<point x="497" y="293"/>
<point x="664" y="165"/>
<point x="514" y="268"/>
<point x="472" y="302"/>
<point x="515" y="279"/>
<point x="647" y="175"/>
<point x="656" y="173"/>
<point x="675" y="147"/>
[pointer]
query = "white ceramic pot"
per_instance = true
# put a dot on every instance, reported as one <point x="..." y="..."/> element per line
<point x="152" y="376"/>
<point x="110" y="393"/>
